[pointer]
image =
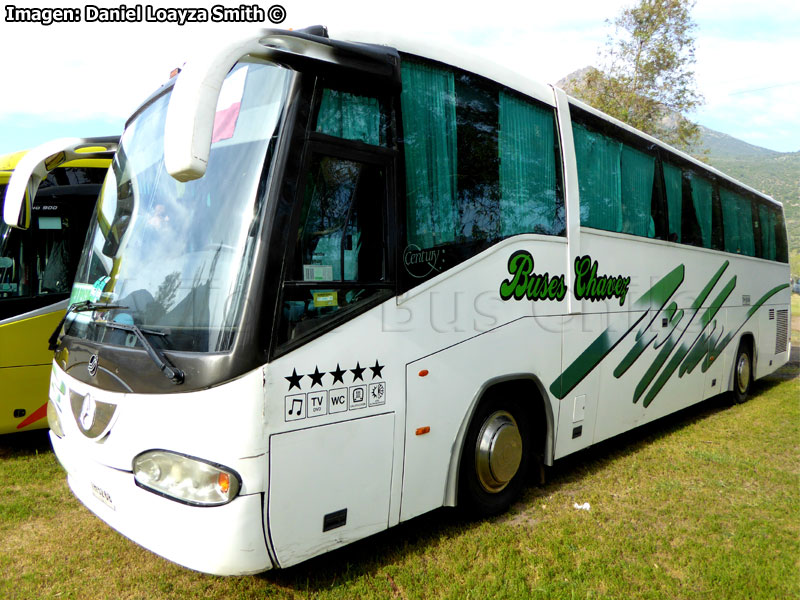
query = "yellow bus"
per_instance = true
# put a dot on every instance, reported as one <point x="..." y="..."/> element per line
<point x="37" y="265"/>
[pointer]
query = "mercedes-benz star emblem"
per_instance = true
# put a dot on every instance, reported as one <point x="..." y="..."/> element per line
<point x="92" y="366"/>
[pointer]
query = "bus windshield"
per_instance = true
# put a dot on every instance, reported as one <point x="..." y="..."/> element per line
<point x="177" y="255"/>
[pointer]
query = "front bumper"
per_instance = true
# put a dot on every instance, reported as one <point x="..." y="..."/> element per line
<point x="221" y="540"/>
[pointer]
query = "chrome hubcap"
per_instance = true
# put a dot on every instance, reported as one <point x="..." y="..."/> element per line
<point x="498" y="452"/>
<point x="743" y="372"/>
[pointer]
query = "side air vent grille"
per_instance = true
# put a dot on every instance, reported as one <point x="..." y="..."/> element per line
<point x="771" y="314"/>
<point x="781" y="331"/>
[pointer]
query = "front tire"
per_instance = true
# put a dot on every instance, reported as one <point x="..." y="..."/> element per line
<point x="742" y="374"/>
<point x="495" y="458"/>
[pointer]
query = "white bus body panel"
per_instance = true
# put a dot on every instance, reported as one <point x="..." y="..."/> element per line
<point x="749" y="279"/>
<point x="458" y="328"/>
<point x="445" y="398"/>
<point x="224" y="425"/>
<point x="323" y="470"/>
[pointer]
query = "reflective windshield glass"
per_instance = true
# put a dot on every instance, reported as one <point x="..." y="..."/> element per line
<point x="41" y="260"/>
<point x="177" y="255"/>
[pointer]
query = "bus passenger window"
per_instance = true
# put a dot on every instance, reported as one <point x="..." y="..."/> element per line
<point x="766" y="219"/>
<point x="673" y="184"/>
<point x="701" y="194"/>
<point x="482" y="163"/>
<point x="737" y="220"/>
<point x="616" y="183"/>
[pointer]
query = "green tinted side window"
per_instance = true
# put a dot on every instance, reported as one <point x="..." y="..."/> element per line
<point x="352" y="117"/>
<point x="781" y="243"/>
<point x="615" y="182"/>
<point x="638" y="170"/>
<point x="766" y="219"/>
<point x="429" y="129"/>
<point x="529" y="198"/>
<point x="673" y="185"/>
<point x="599" y="179"/>
<point x="737" y="221"/>
<point x="702" y="190"/>
<point x="482" y="163"/>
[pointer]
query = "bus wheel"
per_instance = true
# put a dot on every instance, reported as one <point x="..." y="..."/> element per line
<point x="742" y="374"/>
<point x="495" y="458"/>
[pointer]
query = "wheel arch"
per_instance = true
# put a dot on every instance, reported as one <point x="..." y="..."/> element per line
<point x="530" y="387"/>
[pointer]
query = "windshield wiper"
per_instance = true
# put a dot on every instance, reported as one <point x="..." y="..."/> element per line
<point x="52" y="343"/>
<point x="174" y="374"/>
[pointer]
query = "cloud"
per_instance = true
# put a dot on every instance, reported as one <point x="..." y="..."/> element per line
<point x="749" y="91"/>
<point x="78" y="70"/>
<point x="81" y="71"/>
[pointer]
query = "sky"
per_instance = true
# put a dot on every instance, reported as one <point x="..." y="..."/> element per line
<point x="84" y="79"/>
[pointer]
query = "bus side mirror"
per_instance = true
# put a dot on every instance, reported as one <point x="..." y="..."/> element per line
<point x="33" y="168"/>
<point x="193" y="103"/>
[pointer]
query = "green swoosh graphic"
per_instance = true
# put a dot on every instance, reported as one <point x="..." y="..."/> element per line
<point x="651" y="302"/>
<point x="715" y="350"/>
<point x="683" y="350"/>
<point x="683" y="357"/>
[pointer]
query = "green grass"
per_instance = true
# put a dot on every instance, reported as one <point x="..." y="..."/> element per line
<point x="703" y="504"/>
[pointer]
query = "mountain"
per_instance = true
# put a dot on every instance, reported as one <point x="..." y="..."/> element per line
<point x="723" y="146"/>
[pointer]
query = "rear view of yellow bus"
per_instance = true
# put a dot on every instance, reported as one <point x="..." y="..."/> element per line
<point x="37" y="265"/>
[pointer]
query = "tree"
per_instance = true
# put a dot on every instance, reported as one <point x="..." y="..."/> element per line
<point x="646" y="77"/>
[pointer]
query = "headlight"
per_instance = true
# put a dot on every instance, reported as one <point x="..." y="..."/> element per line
<point x="54" y="419"/>
<point x="185" y="479"/>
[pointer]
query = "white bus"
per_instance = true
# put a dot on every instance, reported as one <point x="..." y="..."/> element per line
<point x="346" y="283"/>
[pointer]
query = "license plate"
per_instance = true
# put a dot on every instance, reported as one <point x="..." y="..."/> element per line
<point x="103" y="496"/>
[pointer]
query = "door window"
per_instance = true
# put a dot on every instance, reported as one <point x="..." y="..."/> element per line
<point x="340" y="254"/>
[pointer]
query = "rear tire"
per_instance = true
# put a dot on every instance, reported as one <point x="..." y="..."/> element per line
<point x="742" y="374"/>
<point x="495" y="459"/>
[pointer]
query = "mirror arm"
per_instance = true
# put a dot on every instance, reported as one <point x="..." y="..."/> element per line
<point x="33" y="168"/>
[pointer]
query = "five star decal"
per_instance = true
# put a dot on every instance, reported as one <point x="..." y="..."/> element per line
<point x="338" y="374"/>
<point x="294" y="379"/>
<point x="357" y="372"/>
<point x="316" y="377"/>
<point x="376" y="370"/>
